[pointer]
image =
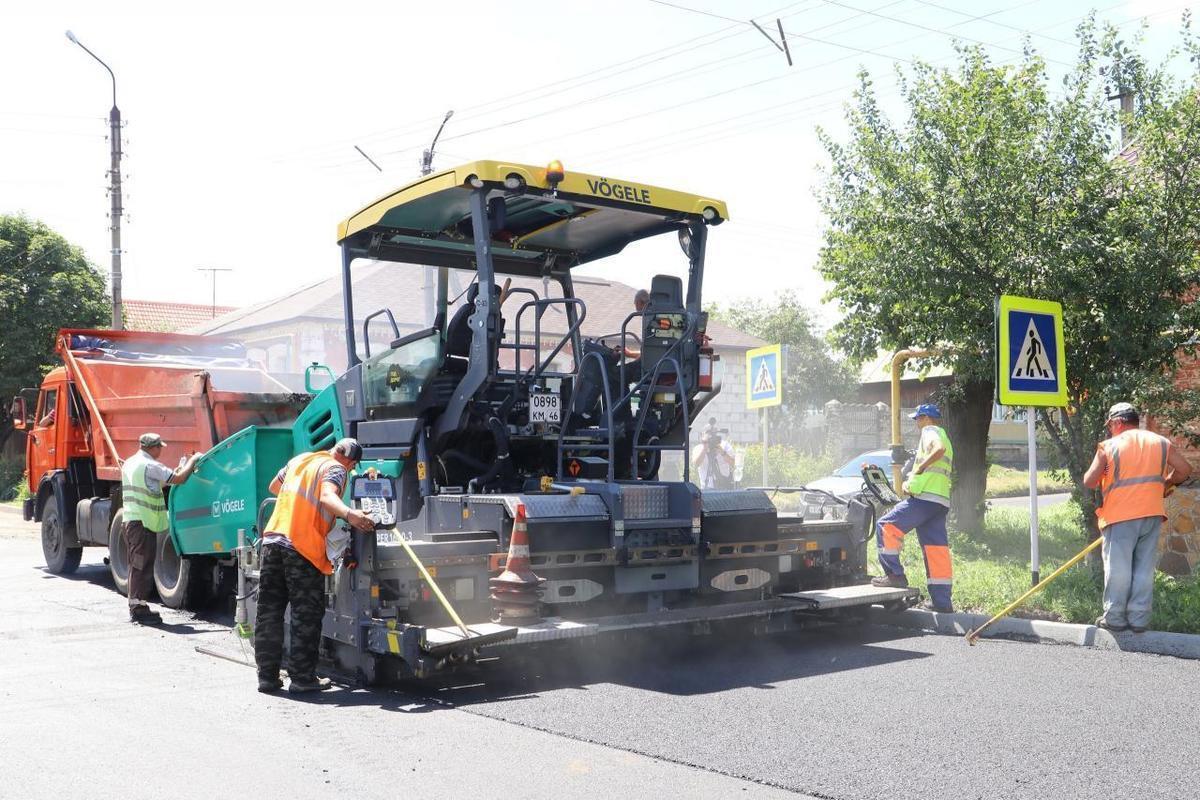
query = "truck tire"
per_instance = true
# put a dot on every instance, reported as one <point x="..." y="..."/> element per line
<point x="118" y="553"/>
<point x="60" y="559"/>
<point x="174" y="576"/>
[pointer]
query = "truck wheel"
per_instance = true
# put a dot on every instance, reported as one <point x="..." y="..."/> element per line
<point x="60" y="559"/>
<point x="173" y="575"/>
<point x="118" y="553"/>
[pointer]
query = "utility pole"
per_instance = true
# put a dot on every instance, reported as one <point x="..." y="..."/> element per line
<point x="114" y="187"/>
<point x="214" y="271"/>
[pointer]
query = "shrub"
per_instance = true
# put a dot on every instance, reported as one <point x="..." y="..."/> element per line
<point x="12" y="479"/>
<point x="785" y="466"/>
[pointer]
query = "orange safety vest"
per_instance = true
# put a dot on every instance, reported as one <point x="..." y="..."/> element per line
<point x="1134" y="477"/>
<point x="298" y="514"/>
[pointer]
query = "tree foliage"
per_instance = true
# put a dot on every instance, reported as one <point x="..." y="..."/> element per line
<point x="814" y="374"/>
<point x="998" y="184"/>
<point x="46" y="283"/>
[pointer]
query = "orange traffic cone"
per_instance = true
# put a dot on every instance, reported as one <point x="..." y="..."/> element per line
<point x="517" y="590"/>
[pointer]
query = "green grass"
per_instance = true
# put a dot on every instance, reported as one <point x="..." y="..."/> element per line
<point x="12" y="479"/>
<point x="991" y="569"/>
<point x="1008" y="482"/>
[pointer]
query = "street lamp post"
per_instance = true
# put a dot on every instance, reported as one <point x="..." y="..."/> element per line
<point x="114" y="187"/>
<point x="427" y="156"/>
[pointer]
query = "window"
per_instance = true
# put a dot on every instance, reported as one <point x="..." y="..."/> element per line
<point x="47" y="406"/>
<point x="393" y="379"/>
<point x="1007" y="413"/>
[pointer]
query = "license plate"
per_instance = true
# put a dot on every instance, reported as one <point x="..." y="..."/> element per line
<point x="545" y="407"/>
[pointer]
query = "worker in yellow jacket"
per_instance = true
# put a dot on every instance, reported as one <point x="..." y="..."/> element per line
<point x="925" y="509"/>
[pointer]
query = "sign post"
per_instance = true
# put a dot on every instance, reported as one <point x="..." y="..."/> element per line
<point x="1031" y="367"/>
<point x="764" y="388"/>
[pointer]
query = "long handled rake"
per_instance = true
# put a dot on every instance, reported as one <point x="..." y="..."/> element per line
<point x="973" y="635"/>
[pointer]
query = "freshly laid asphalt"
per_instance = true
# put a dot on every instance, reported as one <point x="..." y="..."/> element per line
<point x="851" y="712"/>
<point x="877" y="713"/>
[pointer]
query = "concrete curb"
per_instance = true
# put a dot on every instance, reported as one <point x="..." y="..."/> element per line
<point x="1179" y="645"/>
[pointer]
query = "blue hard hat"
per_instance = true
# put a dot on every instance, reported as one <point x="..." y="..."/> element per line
<point x="926" y="410"/>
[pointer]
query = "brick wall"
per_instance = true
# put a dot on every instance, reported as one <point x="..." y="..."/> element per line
<point x="1179" y="546"/>
<point x="729" y="407"/>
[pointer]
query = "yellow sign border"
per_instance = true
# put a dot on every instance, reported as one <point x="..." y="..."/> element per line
<point x="777" y="349"/>
<point x="1007" y="395"/>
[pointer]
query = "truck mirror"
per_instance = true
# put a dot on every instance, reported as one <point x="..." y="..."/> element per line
<point x="20" y="418"/>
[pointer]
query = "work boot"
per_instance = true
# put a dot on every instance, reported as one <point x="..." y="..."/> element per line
<point x="934" y="607"/>
<point x="301" y="686"/>
<point x="269" y="685"/>
<point x="1101" y="622"/>
<point x="1138" y="628"/>
<point x="890" y="581"/>
<point x="142" y="615"/>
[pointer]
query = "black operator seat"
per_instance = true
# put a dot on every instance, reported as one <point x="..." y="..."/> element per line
<point x="458" y="333"/>
<point x="666" y="294"/>
<point x="666" y="298"/>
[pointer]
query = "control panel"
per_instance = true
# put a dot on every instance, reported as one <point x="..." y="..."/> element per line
<point x="375" y="496"/>
<point x="666" y="326"/>
<point x="877" y="483"/>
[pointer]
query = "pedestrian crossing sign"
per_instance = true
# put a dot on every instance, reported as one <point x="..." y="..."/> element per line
<point x="764" y="376"/>
<point x="1031" y="362"/>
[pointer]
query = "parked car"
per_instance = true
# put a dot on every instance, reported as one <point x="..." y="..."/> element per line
<point x="845" y="482"/>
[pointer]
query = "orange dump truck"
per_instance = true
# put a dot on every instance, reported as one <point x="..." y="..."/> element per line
<point x="113" y="386"/>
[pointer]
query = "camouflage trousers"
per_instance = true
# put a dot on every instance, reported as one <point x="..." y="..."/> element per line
<point x="286" y="577"/>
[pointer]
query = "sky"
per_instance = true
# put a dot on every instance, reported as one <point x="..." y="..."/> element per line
<point x="241" y="118"/>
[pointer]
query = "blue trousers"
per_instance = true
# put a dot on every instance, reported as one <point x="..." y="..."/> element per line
<point x="929" y="519"/>
<point x="1130" y="556"/>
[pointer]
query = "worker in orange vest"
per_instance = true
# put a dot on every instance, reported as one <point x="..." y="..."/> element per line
<point x="295" y="561"/>
<point x="1132" y="469"/>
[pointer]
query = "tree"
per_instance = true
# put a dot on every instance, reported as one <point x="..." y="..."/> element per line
<point x="996" y="186"/>
<point x="46" y="283"/>
<point x="813" y="374"/>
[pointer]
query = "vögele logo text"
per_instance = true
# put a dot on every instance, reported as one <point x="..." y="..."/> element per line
<point x="220" y="507"/>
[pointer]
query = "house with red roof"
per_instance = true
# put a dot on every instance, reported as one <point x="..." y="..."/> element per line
<point x="159" y="316"/>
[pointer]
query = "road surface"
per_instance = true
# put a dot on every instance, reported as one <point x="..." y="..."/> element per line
<point x="1044" y="501"/>
<point x="865" y="712"/>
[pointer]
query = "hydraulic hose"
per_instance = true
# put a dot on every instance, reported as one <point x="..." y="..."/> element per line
<point x="500" y="433"/>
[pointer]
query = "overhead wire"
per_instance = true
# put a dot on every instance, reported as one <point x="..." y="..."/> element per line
<point x="930" y="29"/>
<point x="710" y="96"/>
<point x="579" y="80"/>
<point x="997" y="23"/>
<point x="567" y="107"/>
<point x="475" y="111"/>
<point x="45" y="132"/>
<point x="687" y="144"/>
<point x="635" y="152"/>
<point x="794" y="101"/>
<point x="690" y="72"/>
<point x="743" y="86"/>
